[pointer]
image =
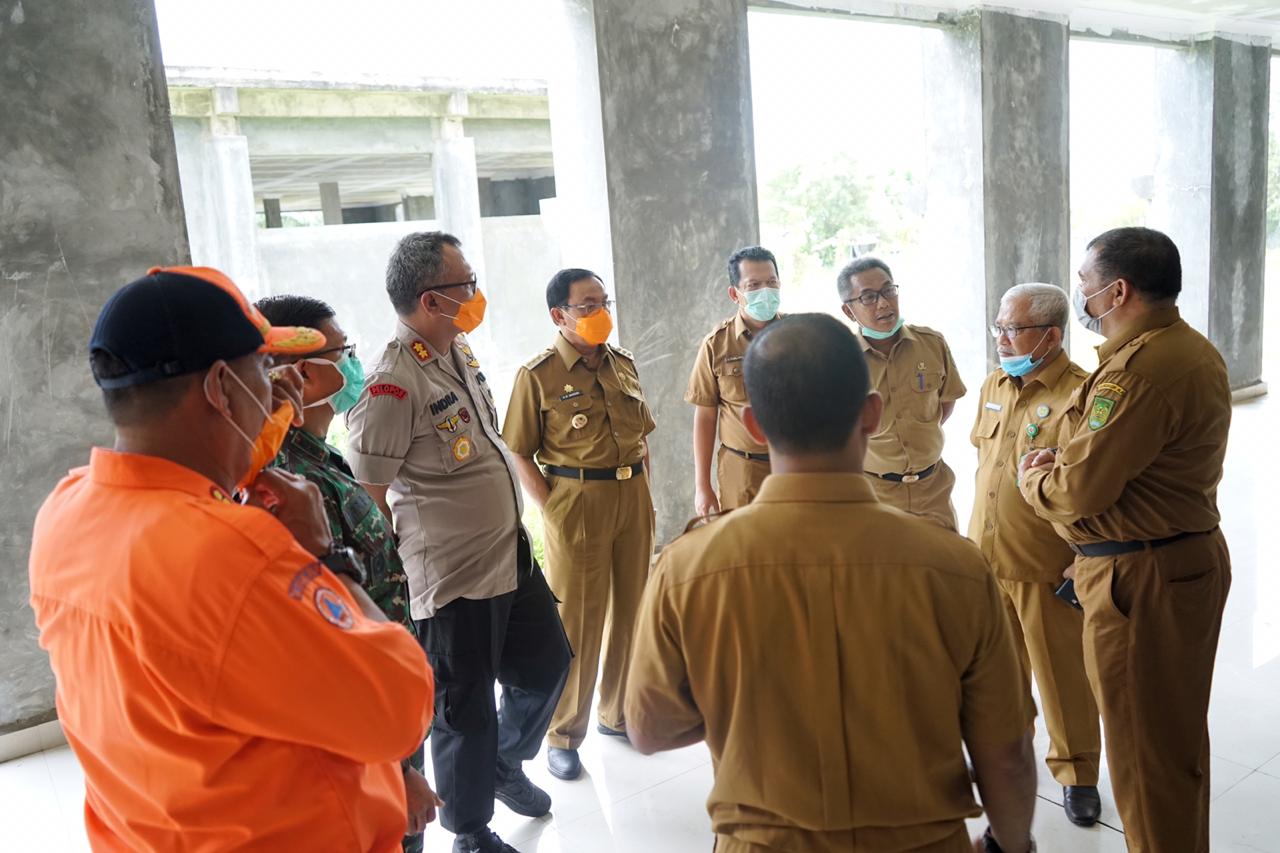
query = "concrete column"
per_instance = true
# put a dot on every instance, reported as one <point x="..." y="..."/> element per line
<point x="91" y="199"/>
<point x="331" y="203"/>
<point x="457" y="194"/>
<point x="1210" y="189"/>
<point x="675" y="124"/>
<point x="271" y="209"/>
<point x="419" y="207"/>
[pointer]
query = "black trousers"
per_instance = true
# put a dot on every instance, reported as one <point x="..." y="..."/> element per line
<point x="515" y="639"/>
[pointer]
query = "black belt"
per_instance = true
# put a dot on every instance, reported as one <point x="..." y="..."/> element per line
<point x="907" y="478"/>
<point x="1111" y="549"/>
<point x="762" y="457"/>
<point x="626" y="472"/>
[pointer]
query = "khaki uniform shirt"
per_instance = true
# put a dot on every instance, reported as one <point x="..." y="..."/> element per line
<point x="1144" y="439"/>
<point x="915" y="379"/>
<point x="426" y="425"/>
<point x="1014" y="419"/>
<point x="836" y="650"/>
<point x="717" y="381"/>
<point x="575" y="417"/>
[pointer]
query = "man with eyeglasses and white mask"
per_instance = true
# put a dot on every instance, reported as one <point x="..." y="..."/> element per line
<point x="578" y="408"/>
<point x="426" y="432"/>
<point x="1022" y="404"/>
<point x="912" y="368"/>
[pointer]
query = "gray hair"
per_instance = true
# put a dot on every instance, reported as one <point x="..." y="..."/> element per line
<point x="415" y="265"/>
<point x="1049" y="303"/>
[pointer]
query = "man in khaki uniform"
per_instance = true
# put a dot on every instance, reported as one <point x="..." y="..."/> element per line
<point x="834" y="652"/>
<point x="912" y="368"/>
<point x="1133" y="487"/>
<point x="1021" y="410"/>
<point x="425" y="430"/>
<point x="579" y="409"/>
<point x="717" y="391"/>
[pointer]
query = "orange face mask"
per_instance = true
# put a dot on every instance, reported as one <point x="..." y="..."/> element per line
<point x="470" y="313"/>
<point x="595" y="328"/>
<point x="268" y="444"/>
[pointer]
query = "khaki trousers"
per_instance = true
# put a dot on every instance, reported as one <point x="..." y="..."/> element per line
<point x="738" y="479"/>
<point x="928" y="498"/>
<point x="851" y="841"/>
<point x="1150" y="635"/>
<point x="598" y="541"/>
<point x="1048" y="634"/>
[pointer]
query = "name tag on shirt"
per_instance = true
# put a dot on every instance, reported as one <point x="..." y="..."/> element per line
<point x="995" y="407"/>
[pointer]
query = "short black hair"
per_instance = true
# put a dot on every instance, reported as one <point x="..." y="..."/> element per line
<point x="415" y="265"/>
<point x="807" y="382"/>
<point x="291" y="309"/>
<point x="1144" y="257"/>
<point x="137" y="404"/>
<point x="857" y="266"/>
<point x="561" y="282"/>
<point x="749" y="253"/>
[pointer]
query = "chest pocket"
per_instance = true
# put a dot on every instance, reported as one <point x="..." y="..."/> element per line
<point x="560" y="421"/>
<point x="986" y="428"/>
<point x="459" y="434"/>
<point x="925" y="385"/>
<point x="733" y="389"/>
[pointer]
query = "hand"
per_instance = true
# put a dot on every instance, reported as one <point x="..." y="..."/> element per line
<point x="286" y="387"/>
<point x="1036" y="460"/>
<point x="422" y="801"/>
<point x="298" y="506"/>
<point x="705" y="502"/>
<point x="1069" y="572"/>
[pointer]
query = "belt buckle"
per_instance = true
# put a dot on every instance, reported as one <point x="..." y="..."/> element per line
<point x="910" y="478"/>
<point x="623" y="473"/>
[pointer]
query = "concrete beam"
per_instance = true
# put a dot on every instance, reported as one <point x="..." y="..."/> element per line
<point x="91" y="200"/>
<point x="358" y="103"/>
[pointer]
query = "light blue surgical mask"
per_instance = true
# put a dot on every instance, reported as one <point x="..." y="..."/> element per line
<point x="1021" y="365"/>
<point x="762" y="305"/>
<point x="876" y="334"/>
<point x="352" y="383"/>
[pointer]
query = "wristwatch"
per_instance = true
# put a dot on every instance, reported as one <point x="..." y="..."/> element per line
<point x="343" y="561"/>
<point x="990" y="846"/>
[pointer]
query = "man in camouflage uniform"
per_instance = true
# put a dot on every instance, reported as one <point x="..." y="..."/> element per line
<point x="353" y="516"/>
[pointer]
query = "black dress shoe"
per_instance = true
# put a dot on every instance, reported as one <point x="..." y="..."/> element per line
<point x="1082" y="804"/>
<point x="483" y="841"/>
<point x="605" y="730"/>
<point x="564" y="763"/>
<point x="514" y="790"/>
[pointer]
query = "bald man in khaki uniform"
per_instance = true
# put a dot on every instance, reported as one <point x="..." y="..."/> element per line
<point x="578" y="408"/>
<point x="716" y="389"/>
<point x="1133" y="488"/>
<point x="833" y="651"/>
<point x="1021" y="409"/>
<point x="912" y="368"/>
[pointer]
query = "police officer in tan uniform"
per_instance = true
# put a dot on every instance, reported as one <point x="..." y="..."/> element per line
<point x="425" y="431"/>
<point x="578" y="409"/>
<point x="912" y="368"/>
<point x="833" y="651"/>
<point x="1132" y="486"/>
<point x="716" y="389"/>
<point x="1021" y="409"/>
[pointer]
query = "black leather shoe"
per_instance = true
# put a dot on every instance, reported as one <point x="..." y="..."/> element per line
<point x="564" y="763"/>
<point x="514" y="790"/>
<point x="605" y="730"/>
<point x="1082" y="804"/>
<point x="483" y="841"/>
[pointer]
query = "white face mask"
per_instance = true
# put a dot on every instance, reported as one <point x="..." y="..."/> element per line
<point x="1081" y="304"/>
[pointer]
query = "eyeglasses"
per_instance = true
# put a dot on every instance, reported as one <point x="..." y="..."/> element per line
<point x="470" y="285"/>
<point x="753" y="286"/>
<point x="1012" y="332"/>
<point x="871" y="297"/>
<point x="590" y="308"/>
<point x="348" y="350"/>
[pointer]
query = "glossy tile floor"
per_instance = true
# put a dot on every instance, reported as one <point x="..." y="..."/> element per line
<point x="626" y="802"/>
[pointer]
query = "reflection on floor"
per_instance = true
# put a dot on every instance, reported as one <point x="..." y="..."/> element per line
<point x="626" y="802"/>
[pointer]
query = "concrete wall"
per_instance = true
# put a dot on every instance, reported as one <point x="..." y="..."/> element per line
<point x="344" y="265"/>
<point x="517" y="197"/>
<point x="675" y="93"/>
<point x="88" y="200"/>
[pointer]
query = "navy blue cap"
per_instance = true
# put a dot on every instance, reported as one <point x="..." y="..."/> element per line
<point x="181" y="320"/>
